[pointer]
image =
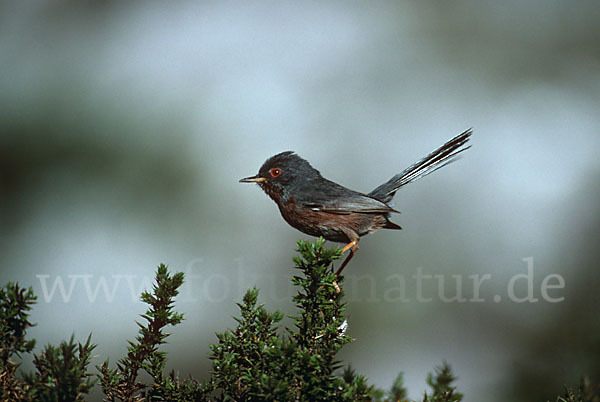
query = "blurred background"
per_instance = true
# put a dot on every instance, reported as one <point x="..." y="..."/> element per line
<point x="125" y="127"/>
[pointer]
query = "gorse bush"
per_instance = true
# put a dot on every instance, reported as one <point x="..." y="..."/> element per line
<point x="256" y="361"/>
<point x="61" y="372"/>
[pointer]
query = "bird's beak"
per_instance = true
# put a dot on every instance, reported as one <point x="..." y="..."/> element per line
<point x="253" y="179"/>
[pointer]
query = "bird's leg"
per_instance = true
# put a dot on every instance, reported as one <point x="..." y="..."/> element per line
<point x="353" y="247"/>
<point x="346" y="261"/>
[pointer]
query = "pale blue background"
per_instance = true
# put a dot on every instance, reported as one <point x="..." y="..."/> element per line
<point x="125" y="127"/>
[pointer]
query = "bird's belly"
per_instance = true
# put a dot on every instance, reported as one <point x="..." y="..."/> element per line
<point x="317" y="224"/>
<point x="331" y="226"/>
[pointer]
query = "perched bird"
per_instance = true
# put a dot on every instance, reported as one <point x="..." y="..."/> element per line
<point x="319" y="207"/>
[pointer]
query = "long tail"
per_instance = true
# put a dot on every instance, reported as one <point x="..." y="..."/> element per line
<point x="429" y="164"/>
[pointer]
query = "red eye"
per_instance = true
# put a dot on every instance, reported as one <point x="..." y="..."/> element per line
<point x="275" y="172"/>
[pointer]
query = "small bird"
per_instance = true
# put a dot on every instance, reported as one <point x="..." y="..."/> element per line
<point x="319" y="207"/>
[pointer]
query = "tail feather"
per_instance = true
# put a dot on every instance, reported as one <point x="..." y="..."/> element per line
<point x="440" y="157"/>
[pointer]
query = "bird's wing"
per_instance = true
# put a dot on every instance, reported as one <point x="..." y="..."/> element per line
<point x="365" y="205"/>
<point x="345" y="202"/>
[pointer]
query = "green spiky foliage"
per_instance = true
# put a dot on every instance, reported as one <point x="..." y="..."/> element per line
<point x="60" y="372"/>
<point x="15" y="304"/>
<point x="441" y="384"/>
<point x="586" y="392"/>
<point x="254" y="362"/>
<point x="122" y="383"/>
<point x="398" y="393"/>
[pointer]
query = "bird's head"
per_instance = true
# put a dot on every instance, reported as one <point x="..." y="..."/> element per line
<point x="282" y="172"/>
